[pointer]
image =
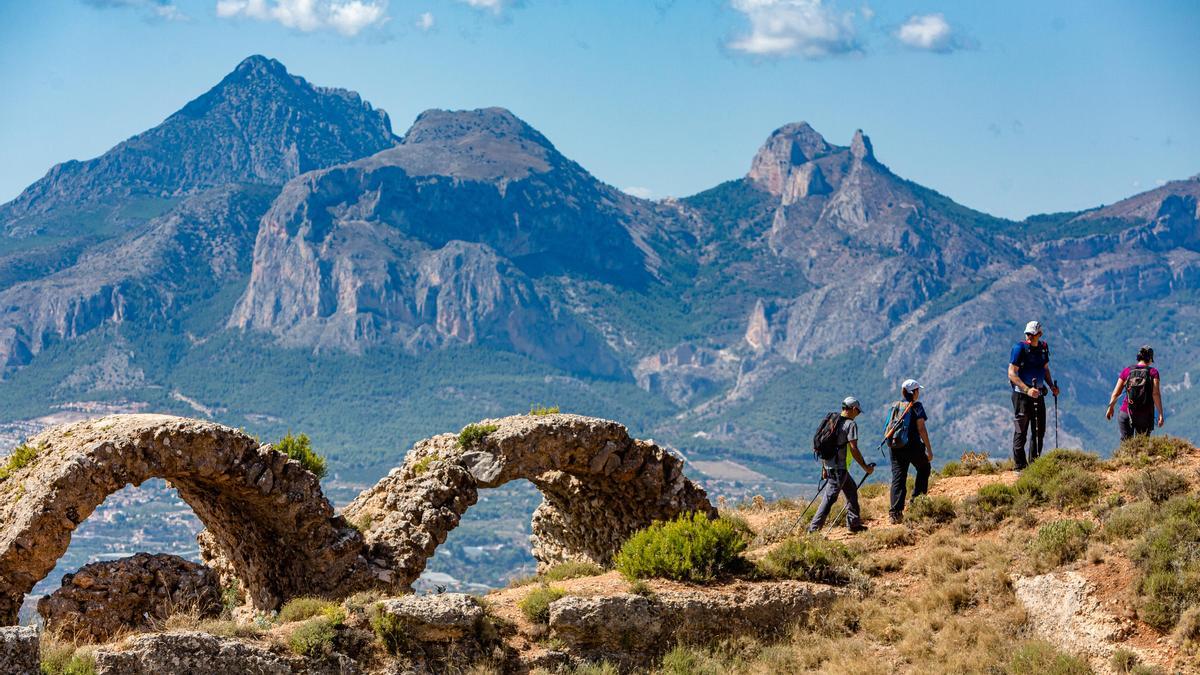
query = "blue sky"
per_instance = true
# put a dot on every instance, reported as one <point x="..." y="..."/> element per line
<point x="1009" y="107"/>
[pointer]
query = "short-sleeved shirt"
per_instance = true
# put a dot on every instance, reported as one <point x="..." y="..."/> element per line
<point x="1125" y="378"/>
<point x="1031" y="362"/>
<point x="847" y="432"/>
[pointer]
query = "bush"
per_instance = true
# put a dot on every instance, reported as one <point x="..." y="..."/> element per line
<point x="313" y="637"/>
<point x="809" y="558"/>
<point x="1041" y="658"/>
<point x="1145" y="450"/>
<point x="1129" y="521"/>
<point x="473" y="433"/>
<point x="1123" y="661"/>
<point x="300" y="449"/>
<point x="689" y="548"/>
<point x="1061" y="541"/>
<point x="21" y="457"/>
<point x="299" y="609"/>
<point x="969" y="464"/>
<point x="1061" y="477"/>
<point x="536" y="605"/>
<point x="572" y="570"/>
<point x="931" y="509"/>
<point x="987" y="508"/>
<point x="60" y="658"/>
<point x="539" y="410"/>
<point x="1156" y="485"/>
<point x="391" y="630"/>
<point x="1169" y="559"/>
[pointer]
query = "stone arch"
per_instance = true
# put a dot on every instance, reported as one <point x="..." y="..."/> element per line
<point x="598" y="484"/>
<point x="266" y="518"/>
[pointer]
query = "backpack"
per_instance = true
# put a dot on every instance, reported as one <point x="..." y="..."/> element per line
<point x="898" y="438"/>
<point x="1139" y="388"/>
<point x="825" y="441"/>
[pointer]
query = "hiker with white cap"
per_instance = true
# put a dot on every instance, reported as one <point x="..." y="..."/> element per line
<point x="835" y="442"/>
<point x="908" y="443"/>
<point x="1029" y="375"/>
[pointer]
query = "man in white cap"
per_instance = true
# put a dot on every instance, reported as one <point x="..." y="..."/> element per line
<point x="1029" y="375"/>
<point x="908" y="443"/>
<point x="836" y="471"/>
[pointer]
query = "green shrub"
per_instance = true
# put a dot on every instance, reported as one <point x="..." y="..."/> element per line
<point x="473" y="433"/>
<point x="313" y="637"/>
<point x="1041" y="658"/>
<point x="970" y="463"/>
<point x="1061" y="541"/>
<point x="1129" y="521"/>
<point x="21" y="457"/>
<point x="391" y="630"/>
<point x="809" y="558"/>
<point x="931" y="509"/>
<point x="1156" y="484"/>
<point x="1145" y="450"/>
<point x="300" y="449"/>
<point x="987" y="508"/>
<point x="539" y="410"/>
<point x="1062" y="477"/>
<point x="689" y="548"/>
<point x="536" y="605"/>
<point x="299" y="609"/>
<point x="572" y="570"/>
<point x="640" y="587"/>
<point x="61" y="658"/>
<point x="422" y="465"/>
<point x="1123" y="661"/>
<point x="1168" y="555"/>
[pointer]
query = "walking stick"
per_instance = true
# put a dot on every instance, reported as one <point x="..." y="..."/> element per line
<point x="1055" y="383"/>
<point x="820" y="489"/>
<point x="846" y="506"/>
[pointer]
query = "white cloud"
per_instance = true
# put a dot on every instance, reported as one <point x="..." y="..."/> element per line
<point x="639" y="192"/>
<point x="348" y="17"/>
<point x="867" y="12"/>
<point x="805" y="28"/>
<point x="164" y="10"/>
<point x="493" y="6"/>
<point x="931" y="32"/>
<point x="425" y="21"/>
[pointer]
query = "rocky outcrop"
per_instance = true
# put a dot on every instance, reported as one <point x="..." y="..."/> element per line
<point x="266" y="517"/>
<point x="192" y="652"/>
<point x="634" y="629"/>
<point x="18" y="650"/>
<point x="598" y="486"/>
<point x="443" y="633"/>
<point x="105" y="599"/>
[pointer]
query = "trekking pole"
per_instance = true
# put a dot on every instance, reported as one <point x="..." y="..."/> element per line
<point x="846" y="506"/>
<point x="1055" y="383"/>
<point x="820" y="489"/>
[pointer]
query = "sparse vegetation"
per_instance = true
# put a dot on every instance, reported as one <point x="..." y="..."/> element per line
<point x="572" y="570"/>
<point x="987" y="508"/>
<point x="1060" y="542"/>
<point x="300" y="449"/>
<point x="689" y="548"/>
<point x="926" y="509"/>
<point x="21" y="457"/>
<point x="422" y="465"/>
<point x="1156" y="484"/>
<point x="313" y="637"/>
<point x="1041" y="658"/>
<point x="970" y="463"/>
<point x="65" y="658"/>
<point x="391" y="630"/>
<point x="1063" y="478"/>
<point x="1128" y="521"/>
<point x="809" y="558"/>
<point x="536" y="605"/>
<point x="640" y="587"/>
<point x="538" y="410"/>
<point x="299" y="609"/>
<point x="1146" y="450"/>
<point x="1168" y="555"/>
<point x="473" y="433"/>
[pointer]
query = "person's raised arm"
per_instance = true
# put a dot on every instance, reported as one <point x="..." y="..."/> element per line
<point x="1158" y="403"/>
<point x="1112" y="400"/>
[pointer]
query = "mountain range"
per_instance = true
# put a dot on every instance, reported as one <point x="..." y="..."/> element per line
<point x="275" y="257"/>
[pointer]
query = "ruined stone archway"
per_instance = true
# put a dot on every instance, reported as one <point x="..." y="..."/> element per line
<point x="266" y="517"/>
<point x="598" y="486"/>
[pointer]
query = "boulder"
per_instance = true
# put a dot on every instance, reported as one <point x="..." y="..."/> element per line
<point x="195" y="653"/>
<point x="18" y="650"/>
<point x="447" y="617"/>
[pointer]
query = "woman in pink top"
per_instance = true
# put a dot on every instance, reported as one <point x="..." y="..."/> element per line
<point x="1142" y="396"/>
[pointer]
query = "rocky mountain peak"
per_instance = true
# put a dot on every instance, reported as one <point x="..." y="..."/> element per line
<point x="861" y="148"/>
<point x="458" y="126"/>
<point x="790" y="146"/>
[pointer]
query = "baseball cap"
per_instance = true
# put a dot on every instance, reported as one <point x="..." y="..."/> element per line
<point x="1033" y="328"/>
<point x="850" y="402"/>
<point x="910" y="385"/>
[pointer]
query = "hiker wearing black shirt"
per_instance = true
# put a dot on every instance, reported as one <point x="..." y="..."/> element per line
<point x="908" y="442"/>
<point x="1143" y="396"/>
<point x="1029" y="376"/>
<point x="836" y="471"/>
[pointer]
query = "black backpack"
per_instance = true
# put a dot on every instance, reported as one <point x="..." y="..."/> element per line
<point x="825" y="441"/>
<point x="1139" y="388"/>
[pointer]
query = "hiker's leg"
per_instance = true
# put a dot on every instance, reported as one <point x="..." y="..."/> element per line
<point x="1020" y="428"/>
<point x="828" y="500"/>
<point x="921" y="486"/>
<point x="899" y="480"/>
<point x="1039" y="436"/>
<point x="1143" y="423"/>
<point x="1125" y="424"/>
<point x="853" y="516"/>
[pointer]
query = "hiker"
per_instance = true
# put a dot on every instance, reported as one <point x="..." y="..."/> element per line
<point x="908" y="442"/>
<point x="1029" y="375"/>
<point x="1142" y="397"/>
<point x="835" y="468"/>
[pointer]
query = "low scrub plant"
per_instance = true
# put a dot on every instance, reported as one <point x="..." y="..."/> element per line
<point x="299" y="609"/>
<point x="987" y="508"/>
<point x="536" y="605"/>
<point x="1063" y="478"/>
<point x="809" y="558"/>
<point x="926" y="509"/>
<point x="539" y="410"/>
<point x="65" y="658"/>
<point x="969" y="464"/>
<point x="422" y="465"/>
<point x="690" y="548"/>
<point x="21" y="457"/>
<point x="314" y="637"/>
<point x="1060" y="542"/>
<point x="1156" y="484"/>
<point x="572" y="570"/>
<point x="1042" y="658"/>
<point x="1146" y="450"/>
<point x="1127" y="522"/>
<point x="1168" y="555"/>
<point x="473" y="433"/>
<point x="390" y="630"/>
<point x="300" y="449"/>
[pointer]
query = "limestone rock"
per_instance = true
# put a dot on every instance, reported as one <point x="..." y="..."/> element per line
<point x="18" y="650"/>
<point x="186" y="653"/>
<point x="107" y="598"/>
<point x="448" y="617"/>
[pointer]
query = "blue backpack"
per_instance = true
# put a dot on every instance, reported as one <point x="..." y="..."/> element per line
<point x="897" y="425"/>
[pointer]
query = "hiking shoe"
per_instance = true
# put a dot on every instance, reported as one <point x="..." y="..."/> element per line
<point x="897" y="519"/>
<point x="855" y="529"/>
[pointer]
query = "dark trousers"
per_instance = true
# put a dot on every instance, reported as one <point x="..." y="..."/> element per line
<point x="1136" y="422"/>
<point x="913" y="455"/>
<point x="1028" y="412"/>
<point x="840" y="480"/>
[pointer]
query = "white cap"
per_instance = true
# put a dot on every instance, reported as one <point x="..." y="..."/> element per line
<point x="851" y="402"/>
<point x="910" y="385"/>
<point x="1033" y="328"/>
